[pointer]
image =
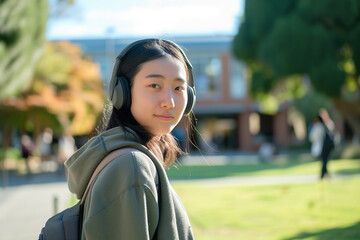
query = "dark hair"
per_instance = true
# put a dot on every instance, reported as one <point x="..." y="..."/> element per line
<point x="164" y="147"/>
<point x="319" y="118"/>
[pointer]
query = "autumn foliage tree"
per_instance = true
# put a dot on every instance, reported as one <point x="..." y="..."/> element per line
<point x="66" y="94"/>
<point x="69" y="85"/>
<point x="283" y="41"/>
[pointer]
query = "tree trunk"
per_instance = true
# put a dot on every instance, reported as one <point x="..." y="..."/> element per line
<point x="6" y="133"/>
<point x="351" y="113"/>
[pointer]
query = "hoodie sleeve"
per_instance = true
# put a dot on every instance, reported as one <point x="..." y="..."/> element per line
<point x="123" y="203"/>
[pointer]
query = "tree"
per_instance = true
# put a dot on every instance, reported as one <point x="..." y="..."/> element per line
<point x="22" y="36"/>
<point x="66" y="95"/>
<point x="68" y="84"/>
<point x="316" y="101"/>
<point x="284" y="40"/>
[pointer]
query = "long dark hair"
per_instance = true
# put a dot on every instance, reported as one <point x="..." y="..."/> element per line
<point x="164" y="147"/>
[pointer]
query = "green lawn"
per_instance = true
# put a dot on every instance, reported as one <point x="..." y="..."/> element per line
<point x="326" y="210"/>
<point x="279" y="167"/>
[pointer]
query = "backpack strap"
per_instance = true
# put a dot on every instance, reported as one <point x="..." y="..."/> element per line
<point x="111" y="156"/>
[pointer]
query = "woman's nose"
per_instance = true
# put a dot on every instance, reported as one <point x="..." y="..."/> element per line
<point x="168" y="99"/>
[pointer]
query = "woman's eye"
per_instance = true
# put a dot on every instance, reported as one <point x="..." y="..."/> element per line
<point x="180" y="88"/>
<point x="154" y="85"/>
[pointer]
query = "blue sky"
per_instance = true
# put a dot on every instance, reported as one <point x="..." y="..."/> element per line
<point x="131" y="18"/>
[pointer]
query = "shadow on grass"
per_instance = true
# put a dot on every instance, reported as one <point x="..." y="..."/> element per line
<point x="348" y="233"/>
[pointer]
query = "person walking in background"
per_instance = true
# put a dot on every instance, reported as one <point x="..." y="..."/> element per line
<point x="323" y="113"/>
<point x="27" y="148"/>
<point x="151" y="89"/>
<point x="328" y="140"/>
<point x="46" y="139"/>
<point x="66" y="147"/>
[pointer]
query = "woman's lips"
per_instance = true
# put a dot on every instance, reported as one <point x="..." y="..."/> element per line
<point x="165" y="117"/>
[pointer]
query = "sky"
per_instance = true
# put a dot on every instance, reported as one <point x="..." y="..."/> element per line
<point x="132" y="18"/>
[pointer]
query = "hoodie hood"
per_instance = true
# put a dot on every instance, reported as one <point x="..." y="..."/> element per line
<point x="81" y="165"/>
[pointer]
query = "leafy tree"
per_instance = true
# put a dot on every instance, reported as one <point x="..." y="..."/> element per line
<point x="69" y="85"/>
<point x="22" y="36"/>
<point x="316" y="101"/>
<point x="284" y="40"/>
<point x="66" y="94"/>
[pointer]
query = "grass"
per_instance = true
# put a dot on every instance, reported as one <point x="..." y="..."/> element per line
<point x="344" y="166"/>
<point x="324" y="210"/>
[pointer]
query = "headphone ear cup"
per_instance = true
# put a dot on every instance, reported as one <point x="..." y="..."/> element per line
<point x="121" y="96"/>
<point x="191" y="100"/>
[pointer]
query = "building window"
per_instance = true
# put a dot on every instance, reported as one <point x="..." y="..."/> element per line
<point x="237" y="84"/>
<point x="207" y="76"/>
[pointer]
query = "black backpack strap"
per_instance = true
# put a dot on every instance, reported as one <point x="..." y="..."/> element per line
<point x="81" y="214"/>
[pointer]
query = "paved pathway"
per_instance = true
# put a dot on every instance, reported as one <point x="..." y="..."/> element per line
<point x="25" y="208"/>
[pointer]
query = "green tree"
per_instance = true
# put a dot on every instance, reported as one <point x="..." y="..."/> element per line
<point x="283" y="40"/>
<point x="22" y="36"/>
<point x="316" y="101"/>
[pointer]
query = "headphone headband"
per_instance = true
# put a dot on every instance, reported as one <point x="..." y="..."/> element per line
<point x="142" y="41"/>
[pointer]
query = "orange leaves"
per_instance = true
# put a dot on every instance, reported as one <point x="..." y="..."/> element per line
<point x="66" y="84"/>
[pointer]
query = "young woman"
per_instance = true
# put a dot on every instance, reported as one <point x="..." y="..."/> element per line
<point x="151" y="89"/>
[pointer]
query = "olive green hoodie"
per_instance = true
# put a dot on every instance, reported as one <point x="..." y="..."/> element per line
<point x="131" y="198"/>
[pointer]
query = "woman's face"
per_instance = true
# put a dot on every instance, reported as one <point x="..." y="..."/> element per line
<point x="159" y="94"/>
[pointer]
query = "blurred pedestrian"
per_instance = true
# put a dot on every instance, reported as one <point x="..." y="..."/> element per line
<point x="27" y="148"/>
<point x="66" y="147"/>
<point x="328" y="140"/>
<point x="131" y="198"/>
<point x="46" y="139"/>
<point x="266" y="151"/>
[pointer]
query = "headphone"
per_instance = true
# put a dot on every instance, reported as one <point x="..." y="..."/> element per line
<point x="119" y="88"/>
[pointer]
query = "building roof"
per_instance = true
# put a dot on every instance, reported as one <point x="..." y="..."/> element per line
<point x="190" y="43"/>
